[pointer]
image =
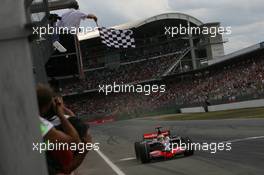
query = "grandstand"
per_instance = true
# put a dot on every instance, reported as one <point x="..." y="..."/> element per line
<point x="177" y="62"/>
<point x="237" y="79"/>
<point x="157" y="54"/>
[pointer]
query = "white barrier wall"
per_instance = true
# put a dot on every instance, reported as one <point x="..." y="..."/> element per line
<point x="193" y="110"/>
<point x="237" y="105"/>
<point x="228" y="106"/>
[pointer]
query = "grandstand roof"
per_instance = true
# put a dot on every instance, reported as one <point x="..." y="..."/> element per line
<point x="136" y="24"/>
<point x="237" y="53"/>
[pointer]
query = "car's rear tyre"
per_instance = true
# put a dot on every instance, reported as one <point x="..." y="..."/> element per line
<point x="137" y="150"/>
<point x="144" y="153"/>
<point x="189" y="150"/>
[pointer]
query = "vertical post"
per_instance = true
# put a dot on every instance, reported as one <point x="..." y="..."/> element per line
<point x="79" y="57"/>
<point x="181" y="65"/>
<point x="19" y="123"/>
<point x="192" y="48"/>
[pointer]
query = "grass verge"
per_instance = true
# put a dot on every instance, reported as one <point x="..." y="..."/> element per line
<point x="229" y="114"/>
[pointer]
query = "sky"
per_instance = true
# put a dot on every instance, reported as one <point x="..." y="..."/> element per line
<point x="246" y="17"/>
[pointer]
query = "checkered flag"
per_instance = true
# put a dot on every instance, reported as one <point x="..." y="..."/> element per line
<point x="117" y="38"/>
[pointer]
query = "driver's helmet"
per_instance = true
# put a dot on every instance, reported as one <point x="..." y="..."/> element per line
<point x="167" y="139"/>
<point x="160" y="137"/>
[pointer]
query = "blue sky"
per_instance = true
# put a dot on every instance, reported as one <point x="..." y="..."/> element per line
<point x="246" y="17"/>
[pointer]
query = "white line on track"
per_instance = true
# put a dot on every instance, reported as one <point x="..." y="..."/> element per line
<point x="128" y="158"/>
<point x="110" y="163"/>
<point x="244" y="139"/>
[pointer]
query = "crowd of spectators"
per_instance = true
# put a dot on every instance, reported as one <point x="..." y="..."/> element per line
<point x="222" y="83"/>
<point x="94" y="58"/>
<point x="146" y="69"/>
<point x="228" y="83"/>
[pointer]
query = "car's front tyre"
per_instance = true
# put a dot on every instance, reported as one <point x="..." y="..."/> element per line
<point x="144" y="153"/>
<point x="137" y="150"/>
<point x="189" y="150"/>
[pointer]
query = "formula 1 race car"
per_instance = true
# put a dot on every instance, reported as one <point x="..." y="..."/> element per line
<point x="161" y="144"/>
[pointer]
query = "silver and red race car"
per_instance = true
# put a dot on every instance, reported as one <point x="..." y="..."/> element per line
<point x="161" y="144"/>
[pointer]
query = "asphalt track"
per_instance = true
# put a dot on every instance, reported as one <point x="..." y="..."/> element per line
<point x="117" y="144"/>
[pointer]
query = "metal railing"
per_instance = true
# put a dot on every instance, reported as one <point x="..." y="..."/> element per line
<point x="177" y="61"/>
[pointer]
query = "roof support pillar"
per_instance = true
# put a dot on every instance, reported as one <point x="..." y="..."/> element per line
<point x="194" y="64"/>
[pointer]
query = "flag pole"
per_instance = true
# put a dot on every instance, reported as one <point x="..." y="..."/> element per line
<point x="96" y="24"/>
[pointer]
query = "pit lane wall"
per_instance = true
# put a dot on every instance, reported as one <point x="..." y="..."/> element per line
<point x="227" y="106"/>
<point x="19" y="121"/>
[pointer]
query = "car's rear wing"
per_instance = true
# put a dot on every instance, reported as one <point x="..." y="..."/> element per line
<point x="155" y="134"/>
